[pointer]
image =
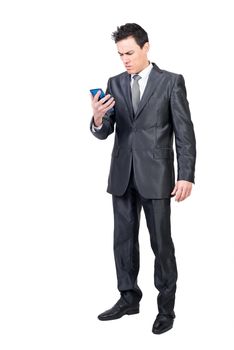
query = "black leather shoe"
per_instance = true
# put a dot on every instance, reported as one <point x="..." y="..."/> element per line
<point x="120" y="309"/>
<point x="162" y="324"/>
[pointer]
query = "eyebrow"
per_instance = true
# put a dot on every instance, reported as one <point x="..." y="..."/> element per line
<point x="126" y="53"/>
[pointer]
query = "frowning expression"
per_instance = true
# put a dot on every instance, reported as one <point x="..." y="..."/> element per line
<point x="132" y="55"/>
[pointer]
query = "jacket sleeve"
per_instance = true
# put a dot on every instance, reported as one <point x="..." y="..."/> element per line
<point x="184" y="132"/>
<point x="108" y="121"/>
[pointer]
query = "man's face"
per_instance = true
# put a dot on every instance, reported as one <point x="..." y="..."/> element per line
<point x="133" y="57"/>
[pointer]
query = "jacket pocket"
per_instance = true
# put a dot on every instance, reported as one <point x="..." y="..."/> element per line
<point x="166" y="153"/>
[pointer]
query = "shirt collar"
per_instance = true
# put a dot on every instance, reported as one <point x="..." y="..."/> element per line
<point x="145" y="72"/>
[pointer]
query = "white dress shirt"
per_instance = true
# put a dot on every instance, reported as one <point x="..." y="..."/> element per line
<point x="144" y="74"/>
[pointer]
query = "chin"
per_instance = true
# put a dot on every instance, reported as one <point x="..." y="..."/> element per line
<point x="130" y="70"/>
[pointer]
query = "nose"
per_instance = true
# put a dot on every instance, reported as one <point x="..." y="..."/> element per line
<point x="125" y="59"/>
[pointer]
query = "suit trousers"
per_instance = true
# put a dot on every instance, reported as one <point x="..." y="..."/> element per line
<point x="127" y="210"/>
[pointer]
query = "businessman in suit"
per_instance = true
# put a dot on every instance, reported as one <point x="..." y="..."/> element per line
<point x="146" y="107"/>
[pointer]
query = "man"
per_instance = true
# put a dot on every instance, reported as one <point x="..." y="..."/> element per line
<point x="148" y="107"/>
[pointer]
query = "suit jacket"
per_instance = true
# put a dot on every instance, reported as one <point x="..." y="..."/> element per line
<point x="145" y="141"/>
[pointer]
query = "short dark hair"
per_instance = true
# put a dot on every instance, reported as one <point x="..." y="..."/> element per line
<point x="131" y="29"/>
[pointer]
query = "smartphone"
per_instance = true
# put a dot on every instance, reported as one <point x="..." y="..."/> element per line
<point x="94" y="91"/>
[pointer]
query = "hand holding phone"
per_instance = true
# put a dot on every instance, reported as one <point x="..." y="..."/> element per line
<point x="100" y="108"/>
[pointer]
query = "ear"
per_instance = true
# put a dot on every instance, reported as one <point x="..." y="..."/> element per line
<point x="146" y="47"/>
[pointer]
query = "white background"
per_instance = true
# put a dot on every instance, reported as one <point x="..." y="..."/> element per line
<point x="56" y="262"/>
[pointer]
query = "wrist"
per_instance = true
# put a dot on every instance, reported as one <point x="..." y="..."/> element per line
<point x="97" y="122"/>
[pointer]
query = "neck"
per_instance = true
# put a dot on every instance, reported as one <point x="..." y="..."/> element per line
<point x="145" y="65"/>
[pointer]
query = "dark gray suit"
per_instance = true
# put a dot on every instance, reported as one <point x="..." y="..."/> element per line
<point x="142" y="175"/>
<point x="147" y="138"/>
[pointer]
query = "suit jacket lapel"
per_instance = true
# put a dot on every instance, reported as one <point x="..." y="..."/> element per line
<point x="149" y="89"/>
<point x="126" y="88"/>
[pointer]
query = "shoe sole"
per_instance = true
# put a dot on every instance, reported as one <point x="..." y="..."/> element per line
<point x="132" y="312"/>
<point x="165" y="330"/>
<point x="129" y="312"/>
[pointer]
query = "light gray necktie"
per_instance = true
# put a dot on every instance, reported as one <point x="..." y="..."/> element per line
<point x="135" y="92"/>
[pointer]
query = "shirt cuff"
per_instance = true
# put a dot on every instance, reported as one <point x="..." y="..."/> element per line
<point x="94" y="128"/>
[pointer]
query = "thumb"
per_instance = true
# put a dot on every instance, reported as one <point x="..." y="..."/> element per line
<point x="174" y="190"/>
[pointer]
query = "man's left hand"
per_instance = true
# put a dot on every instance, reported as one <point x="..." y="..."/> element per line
<point x="182" y="190"/>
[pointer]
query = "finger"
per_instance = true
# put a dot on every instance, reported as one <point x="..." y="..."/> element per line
<point x="108" y="103"/>
<point x="96" y="96"/>
<point x="106" y="106"/>
<point x="174" y="190"/>
<point x="105" y="98"/>
<point x="183" y="195"/>
<point x="188" y="193"/>
<point x="178" y="194"/>
<point x="110" y="106"/>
